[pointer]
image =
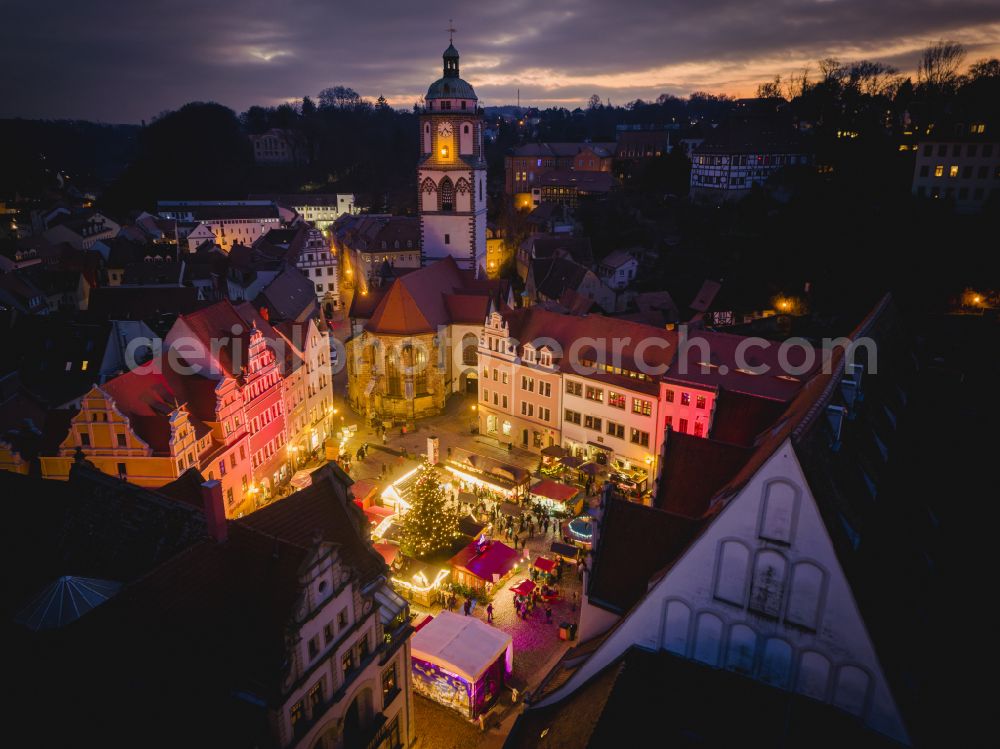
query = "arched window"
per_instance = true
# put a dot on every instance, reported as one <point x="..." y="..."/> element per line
<point x="676" y="623"/>
<point x="708" y="639"/>
<point x="415" y="366"/>
<point x="731" y="573"/>
<point x="393" y="376"/>
<point x="769" y="574"/>
<point x="742" y="649"/>
<point x="466" y="130"/>
<point x="470" y="346"/>
<point x="776" y="663"/>
<point x="805" y="596"/>
<point x="778" y="516"/>
<point x="395" y="245"/>
<point x="446" y="195"/>
<point x="851" y="690"/>
<point x="814" y="675"/>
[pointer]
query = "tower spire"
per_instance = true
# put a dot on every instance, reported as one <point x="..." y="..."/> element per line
<point x="451" y="31"/>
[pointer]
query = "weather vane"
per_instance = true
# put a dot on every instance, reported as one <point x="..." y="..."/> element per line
<point x="451" y="31"/>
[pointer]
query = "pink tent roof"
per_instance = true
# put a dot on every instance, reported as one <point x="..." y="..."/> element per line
<point x="496" y="559"/>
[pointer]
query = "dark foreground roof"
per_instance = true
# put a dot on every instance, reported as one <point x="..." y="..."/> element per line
<point x="657" y="699"/>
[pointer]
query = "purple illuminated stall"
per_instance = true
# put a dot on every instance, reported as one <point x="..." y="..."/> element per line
<point x="461" y="662"/>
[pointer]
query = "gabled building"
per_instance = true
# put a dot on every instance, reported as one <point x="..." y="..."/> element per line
<point x="318" y="209"/>
<point x="364" y="242"/>
<point x="743" y="151"/>
<point x="618" y="269"/>
<point x="770" y="565"/>
<point x="525" y="165"/>
<point x="285" y="616"/>
<point x="81" y="231"/>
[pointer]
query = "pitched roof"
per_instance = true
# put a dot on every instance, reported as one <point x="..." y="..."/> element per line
<point x="147" y="398"/>
<point x="324" y="506"/>
<point x="65" y="601"/>
<point x="754" y="134"/>
<point x="422" y="300"/>
<point x="290" y="296"/>
<point x="141" y="303"/>
<point x="739" y="417"/>
<point x="635" y="542"/>
<point x="693" y="470"/>
<point x="92" y="525"/>
<point x="553" y="276"/>
<point x="219" y="322"/>
<point x="635" y="697"/>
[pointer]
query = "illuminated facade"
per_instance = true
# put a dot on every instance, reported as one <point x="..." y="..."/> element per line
<point x="451" y="173"/>
<point x="965" y="170"/>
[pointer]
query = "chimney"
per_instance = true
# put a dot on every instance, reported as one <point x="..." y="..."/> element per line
<point x="215" y="512"/>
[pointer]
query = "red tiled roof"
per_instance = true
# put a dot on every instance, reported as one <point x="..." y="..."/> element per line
<point x="219" y="321"/>
<point x="721" y="369"/>
<point x="148" y="398"/>
<point x="419" y="301"/>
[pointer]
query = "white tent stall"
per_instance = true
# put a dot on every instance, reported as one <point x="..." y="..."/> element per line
<point x="461" y="662"/>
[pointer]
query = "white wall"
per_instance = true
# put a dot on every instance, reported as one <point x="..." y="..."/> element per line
<point x="684" y="613"/>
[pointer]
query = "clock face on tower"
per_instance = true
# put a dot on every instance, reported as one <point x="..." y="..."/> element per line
<point x="444" y="129"/>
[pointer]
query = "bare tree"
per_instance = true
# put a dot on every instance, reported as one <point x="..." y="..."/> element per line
<point x="939" y="65"/>
<point x="871" y="78"/>
<point x="797" y="85"/>
<point x="832" y="70"/>
<point x="984" y="69"/>
<point x="770" y="90"/>
<point x="595" y="102"/>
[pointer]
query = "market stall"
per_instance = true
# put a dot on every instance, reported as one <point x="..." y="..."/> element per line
<point x="580" y="532"/>
<point x="419" y="581"/>
<point x="461" y="662"/>
<point x="397" y="494"/>
<point x="487" y="477"/>
<point x="551" y="456"/>
<point x="557" y="497"/>
<point x="483" y="564"/>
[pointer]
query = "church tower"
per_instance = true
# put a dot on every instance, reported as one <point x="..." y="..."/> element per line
<point x="451" y="172"/>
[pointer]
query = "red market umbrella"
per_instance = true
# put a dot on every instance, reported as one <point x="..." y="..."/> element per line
<point x="545" y="565"/>
<point x="523" y="588"/>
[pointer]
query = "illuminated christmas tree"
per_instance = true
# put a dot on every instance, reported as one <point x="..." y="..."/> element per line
<point x="429" y="525"/>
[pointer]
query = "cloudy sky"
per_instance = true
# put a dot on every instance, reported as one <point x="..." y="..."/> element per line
<point x="127" y="60"/>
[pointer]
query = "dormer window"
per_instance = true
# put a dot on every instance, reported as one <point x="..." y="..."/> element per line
<point x="545" y="358"/>
<point x="529" y="353"/>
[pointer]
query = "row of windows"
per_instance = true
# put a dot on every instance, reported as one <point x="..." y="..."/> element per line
<point x="528" y="409"/>
<point x="528" y="383"/>
<point x="971" y="149"/>
<point x="700" y="400"/>
<point x="259" y="457"/>
<point x="982" y="172"/>
<point x="949" y="192"/>
<point x="615" y="399"/>
<point x="766" y="159"/>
